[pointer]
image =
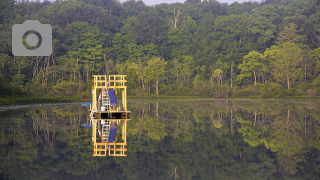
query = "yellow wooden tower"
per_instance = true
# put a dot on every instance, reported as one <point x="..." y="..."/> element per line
<point x="109" y="107"/>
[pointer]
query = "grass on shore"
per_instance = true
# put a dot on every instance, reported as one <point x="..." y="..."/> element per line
<point x="35" y="100"/>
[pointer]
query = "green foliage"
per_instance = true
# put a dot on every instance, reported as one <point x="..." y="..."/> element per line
<point x="295" y="8"/>
<point x="263" y="27"/>
<point x="218" y="75"/>
<point x="291" y="34"/>
<point x="6" y="11"/>
<point x="285" y="67"/>
<point x="155" y="71"/>
<point x="193" y="38"/>
<point x="251" y="65"/>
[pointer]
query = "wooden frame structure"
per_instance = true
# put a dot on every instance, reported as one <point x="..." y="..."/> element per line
<point x="103" y="114"/>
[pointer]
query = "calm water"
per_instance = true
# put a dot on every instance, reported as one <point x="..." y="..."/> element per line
<point x="167" y="140"/>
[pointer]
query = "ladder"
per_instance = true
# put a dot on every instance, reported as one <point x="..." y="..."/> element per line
<point x="105" y="99"/>
<point x="105" y="131"/>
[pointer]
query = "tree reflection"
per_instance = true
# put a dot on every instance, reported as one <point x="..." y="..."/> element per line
<point x="168" y="140"/>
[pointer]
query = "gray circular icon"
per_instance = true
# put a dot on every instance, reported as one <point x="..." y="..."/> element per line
<point x="32" y="39"/>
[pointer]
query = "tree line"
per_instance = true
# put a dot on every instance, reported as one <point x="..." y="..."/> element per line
<point x="202" y="48"/>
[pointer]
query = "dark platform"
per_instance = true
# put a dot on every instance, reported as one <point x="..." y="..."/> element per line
<point x="112" y="115"/>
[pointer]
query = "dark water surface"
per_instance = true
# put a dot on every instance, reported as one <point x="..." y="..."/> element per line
<point x="181" y="139"/>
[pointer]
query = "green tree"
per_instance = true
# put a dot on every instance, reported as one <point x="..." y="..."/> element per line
<point x="295" y="8"/>
<point x="120" y="52"/>
<point x="286" y="65"/>
<point x="91" y="52"/>
<point x="133" y="76"/>
<point x="187" y="29"/>
<point x="6" y="11"/>
<point x="231" y="38"/>
<point x="155" y="71"/>
<point x="174" y="43"/>
<point x="148" y="28"/>
<point x="218" y="73"/>
<point x="263" y="28"/>
<point x="251" y="64"/>
<point x="187" y="67"/>
<point x="291" y="34"/>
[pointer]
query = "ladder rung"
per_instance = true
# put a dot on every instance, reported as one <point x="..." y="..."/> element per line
<point x="112" y="149"/>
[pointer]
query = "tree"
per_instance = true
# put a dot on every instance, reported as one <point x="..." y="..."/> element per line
<point x="263" y="28"/>
<point x="120" y="52"/>
<point x="187" y="29"/>
<point x="6" y="11"/>
<point x="133" y="76"/>
<point x="156" y="71"/>
<point x="177" y="67"/>
<point x="90" y="51"/>
<point x="286" y="65"/>
<point x="295" y="8"/>
<point x="314" y="19"/>
<point x="4" y="60"/>
<point x="221" y="66"/>
<point x="174" y="16"/>
<point x="218" y="75"/>
<point x="187" y="67"/>
<point x="269" y="11"/>
<point x="251" y="64"/>
<point x="241" y="8"/>
<point x="174" y="43"/>
<point x="231" y="37"/>
<point x="148" y="28"/>
<point x="291" y="34"/>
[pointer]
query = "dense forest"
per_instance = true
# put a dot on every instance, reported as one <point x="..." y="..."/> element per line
<point x="196" y="48"/>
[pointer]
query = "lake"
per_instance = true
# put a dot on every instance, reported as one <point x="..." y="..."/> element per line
<point x="172" y="139"/>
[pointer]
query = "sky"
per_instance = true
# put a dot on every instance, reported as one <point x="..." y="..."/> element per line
<point x="153" y="2"/>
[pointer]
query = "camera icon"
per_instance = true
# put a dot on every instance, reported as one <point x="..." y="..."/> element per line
<point x="31" y="39"/>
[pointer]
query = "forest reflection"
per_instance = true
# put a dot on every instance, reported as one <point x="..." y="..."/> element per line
<point x="185" y="139"/>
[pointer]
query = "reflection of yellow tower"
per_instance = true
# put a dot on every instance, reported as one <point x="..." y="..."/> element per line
<point x="109" y="106"/>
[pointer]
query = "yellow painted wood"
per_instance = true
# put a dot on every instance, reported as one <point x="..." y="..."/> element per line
<point x="117" y="83"/>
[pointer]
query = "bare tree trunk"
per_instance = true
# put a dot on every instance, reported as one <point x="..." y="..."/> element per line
<point x="157" y="86"/>
<point x="87" y="69"/>
<point x="255" y="118"/>
<point x="53" y="64"/>
<point x="157" y="109"/>
<point x="142" y="83"/>
<point x="305" y="126"/>
<point x="231" y="74"/>
<point x="168" y="81"/>
<point x="231" y="123"/>
<point x="255" y="78"/>
<point x="177" y="76"/>
<point x="174" y="20"/>
<point x="305" y="70"/>
<point x="140" y="66"/>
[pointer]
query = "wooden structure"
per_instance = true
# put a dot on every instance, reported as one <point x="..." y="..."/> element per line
<point x="109" y="106"/>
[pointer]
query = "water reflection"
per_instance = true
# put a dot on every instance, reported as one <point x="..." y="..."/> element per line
<point x="168" y="140"/>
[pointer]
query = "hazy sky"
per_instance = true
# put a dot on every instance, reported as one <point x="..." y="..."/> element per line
<point x="153" y="2"/>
